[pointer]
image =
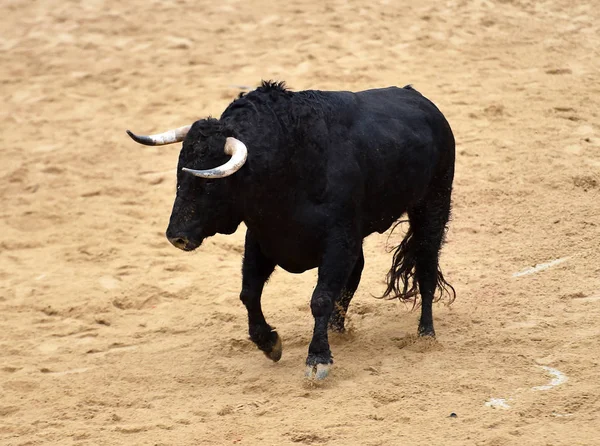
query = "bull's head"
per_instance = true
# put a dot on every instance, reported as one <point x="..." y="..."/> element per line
<point x="205" y="203"/>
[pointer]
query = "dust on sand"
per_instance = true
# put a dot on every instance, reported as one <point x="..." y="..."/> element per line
<point x="111" y="336"/>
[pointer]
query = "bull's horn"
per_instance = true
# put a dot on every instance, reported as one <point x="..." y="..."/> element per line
<point x="160" y="139"/>
<point x="238" y="152"/>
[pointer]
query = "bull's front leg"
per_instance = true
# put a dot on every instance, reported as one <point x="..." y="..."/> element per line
<point x="256" y="269"/>
<point x="338" y="262"/>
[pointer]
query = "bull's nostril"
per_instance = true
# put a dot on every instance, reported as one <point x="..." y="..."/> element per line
<point x="178" y="242"/>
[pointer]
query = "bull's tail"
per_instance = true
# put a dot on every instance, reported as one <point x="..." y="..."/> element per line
<point x="401" y="279"/>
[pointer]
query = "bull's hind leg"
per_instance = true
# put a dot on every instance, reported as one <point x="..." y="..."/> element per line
<point x="256" y="269"/>
<point x="340" y="307"/>
<point x="428" y="224"/>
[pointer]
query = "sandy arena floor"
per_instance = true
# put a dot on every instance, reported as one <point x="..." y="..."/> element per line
<point x="110" y="336"/>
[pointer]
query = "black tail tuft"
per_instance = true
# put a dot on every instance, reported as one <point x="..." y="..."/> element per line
<point x="401" y="280"/>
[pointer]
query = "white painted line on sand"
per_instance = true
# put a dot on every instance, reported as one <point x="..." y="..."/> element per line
<point x="540" y="267"/>
<point x="497" y="402"/>
<point x="69" y="372"/>
<point x="587" y="299"/>
<point x="559" y="378"/>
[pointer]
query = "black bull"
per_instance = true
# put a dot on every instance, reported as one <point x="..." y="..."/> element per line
<point x="324" y="170"/>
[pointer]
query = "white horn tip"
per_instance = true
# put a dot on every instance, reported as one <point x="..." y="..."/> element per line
<point x="147" y="141"/>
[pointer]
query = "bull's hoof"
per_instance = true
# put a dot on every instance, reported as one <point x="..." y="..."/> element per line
<point x="427" y="332"/>
<point x="317" y="372"/>
<point x="275" y="353"/>
<point x="318" y="366"/>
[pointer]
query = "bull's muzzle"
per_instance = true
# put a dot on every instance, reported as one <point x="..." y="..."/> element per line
<point x="179" y="242"/>
<point x="182" y="241"/>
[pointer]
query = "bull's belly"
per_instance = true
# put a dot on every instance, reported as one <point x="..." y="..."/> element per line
<point x="295" y="268"/>
<point x="297" y="244"/>
<point x="298" y="247"/>
<point x="294" y="252"/>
